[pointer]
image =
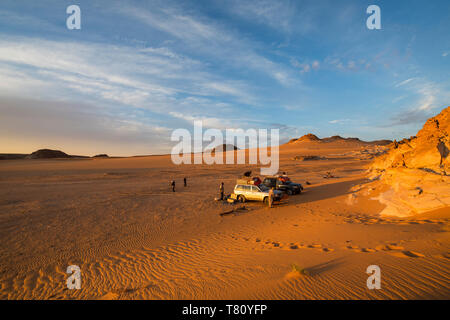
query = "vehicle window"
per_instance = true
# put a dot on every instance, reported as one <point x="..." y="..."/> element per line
<point x="247" y="188"/>
<point x="255" y="189"/>
<point x="239" y="188"/>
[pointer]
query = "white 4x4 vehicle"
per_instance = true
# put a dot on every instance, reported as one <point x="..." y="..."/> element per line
<point x="246" y="192"/>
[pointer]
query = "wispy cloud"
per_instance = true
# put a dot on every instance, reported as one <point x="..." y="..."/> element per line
<point x="275" y="14"/>
<point x="210" y="39"/>
<point x="150" y="78"/>
<point x="404" y="82"/>
<point x="428" y="96"/>
<point x="339" y="121"/>
<point x="305" y="67"/>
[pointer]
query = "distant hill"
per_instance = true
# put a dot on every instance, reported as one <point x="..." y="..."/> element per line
<point x="43" y="154"/>
<point x="224" y="147"/>
<point x="12" y="156"/>
<point x="308" y="137"/>
<point x="48" y="154"/>
<point x="313" y="138"/>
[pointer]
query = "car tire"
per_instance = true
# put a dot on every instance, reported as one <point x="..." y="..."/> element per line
<point x="266" y="200"/>
<point x="242" y="199"/>
<point x="289" y="192"/>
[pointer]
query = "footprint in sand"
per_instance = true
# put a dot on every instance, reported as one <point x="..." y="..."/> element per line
<point x="394" y="247"/>
<point x="327" y="249"/>
<point x="352" y="247"/>
<point x="315" y="246"/>
<point x="389" y="247"/>
<point x="367" y="250"/>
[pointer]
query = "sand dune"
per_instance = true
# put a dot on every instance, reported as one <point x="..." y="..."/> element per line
<point x="135" y="239"/>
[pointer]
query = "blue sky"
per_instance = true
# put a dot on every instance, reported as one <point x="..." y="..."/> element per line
<point x="137" y="71"/>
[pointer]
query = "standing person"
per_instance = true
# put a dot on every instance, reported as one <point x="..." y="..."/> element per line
<point x="185" y="182"/>
<point x="270" y="197"/>
<point x="173" y="185"/>
<point x="221" y="190"/>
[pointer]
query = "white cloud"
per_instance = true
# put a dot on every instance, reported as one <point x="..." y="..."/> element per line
<point x="315" y="65"/>
<point x="148" y="78"/>
<point x="276" y="14"/>
<point x="404" y="82"/>
<point x="209" y="38"/>
<point x="339" y="121"/>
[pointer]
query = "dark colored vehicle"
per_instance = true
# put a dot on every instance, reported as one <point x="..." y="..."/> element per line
<point x="287" y="186"/>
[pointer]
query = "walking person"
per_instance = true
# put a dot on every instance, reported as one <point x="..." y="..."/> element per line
<point x="270" y="197"/>
<point x="221" y="190"/>
<point x="185" y="182"/>
<point x="173" y="185"/>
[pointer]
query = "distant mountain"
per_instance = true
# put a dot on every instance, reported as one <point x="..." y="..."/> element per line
<point x="306" y="137"/>
<point x="48" y="154"/>
<point x="313" y="138"/>
<point x="224" y="147"/>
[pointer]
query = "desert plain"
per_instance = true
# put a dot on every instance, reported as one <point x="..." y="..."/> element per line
<point x="133" y="238"/>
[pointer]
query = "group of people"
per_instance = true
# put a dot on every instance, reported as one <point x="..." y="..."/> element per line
<point x="222" y="191"/>
<point x="172" y="184"/>
<point x="221" y="187"/>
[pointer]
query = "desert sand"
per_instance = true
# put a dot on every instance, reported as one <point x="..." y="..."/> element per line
<point x="133" y="238"/>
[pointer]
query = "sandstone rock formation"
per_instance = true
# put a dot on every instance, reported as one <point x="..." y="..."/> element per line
<point x="308" y="137"/>
<point x="417" y="170"/>
<point x="307" y="158"/>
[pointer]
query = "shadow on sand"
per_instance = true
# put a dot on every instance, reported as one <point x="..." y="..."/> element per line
<point x="325" y="266"/>
<point x="326" y="191"/>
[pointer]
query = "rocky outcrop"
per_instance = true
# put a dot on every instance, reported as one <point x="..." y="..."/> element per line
<point x="307" y="158"/>
<point x="308" y="137"/>
<point x="48" y="154"/>
<point x="224" y="147"/>
<point x="417" y="170"/>
<point x="339" y="138"/>
<point x="313" y="138"/>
